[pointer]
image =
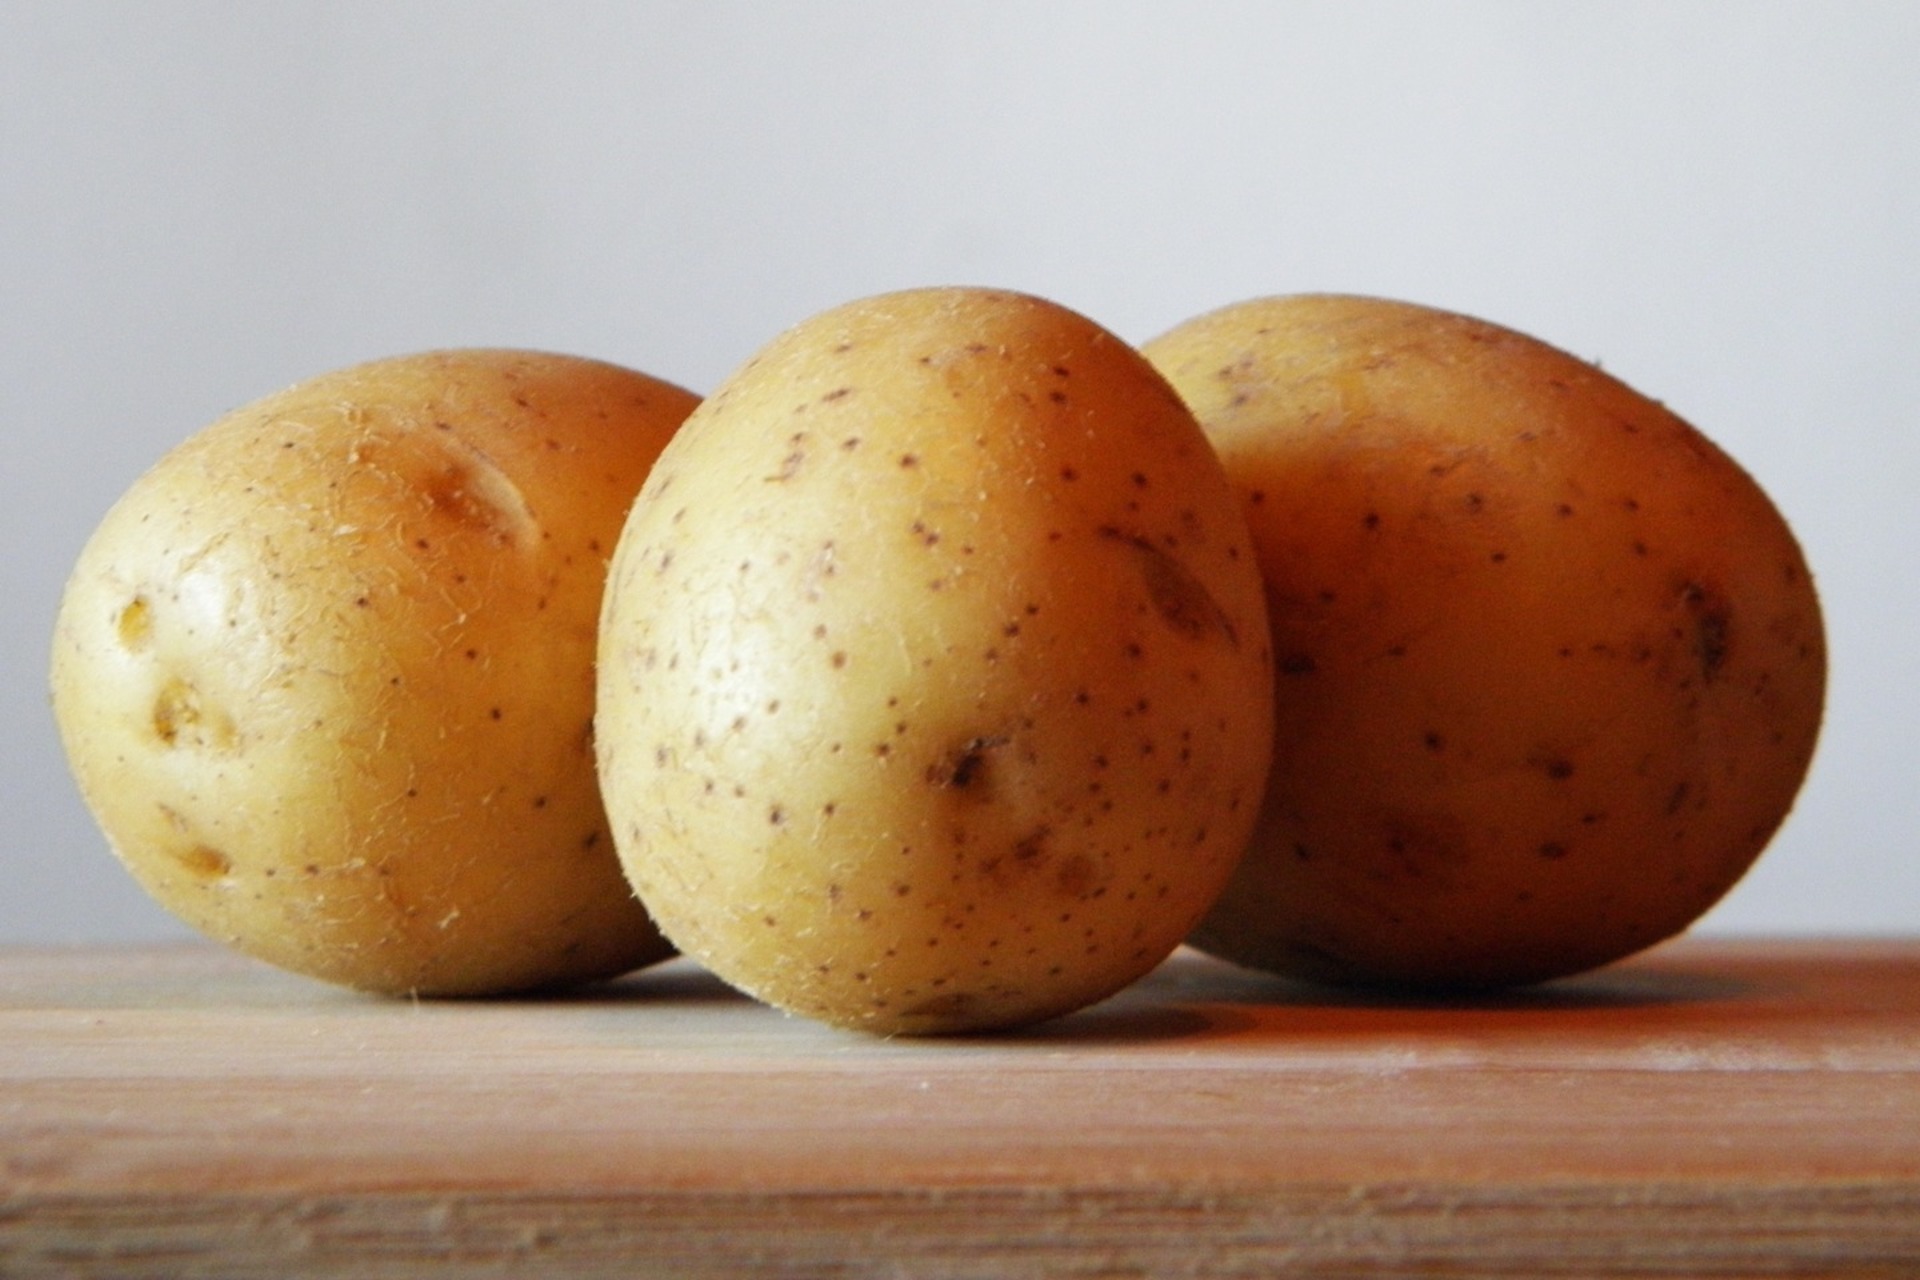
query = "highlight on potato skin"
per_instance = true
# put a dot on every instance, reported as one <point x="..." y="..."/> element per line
<point x="324" y="673"/>
<point x="1551" y="665"/>
<point x="934" y="677"/>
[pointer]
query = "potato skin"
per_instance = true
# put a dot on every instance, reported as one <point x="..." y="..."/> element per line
<point x="324" y="673"/>
<point x="934" y="669"/>
<point x="1551" y="665"/>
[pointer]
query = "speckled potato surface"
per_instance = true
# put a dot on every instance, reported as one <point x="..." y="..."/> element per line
<point x="324" y="674"/>
<point x="1551" y="665"/>
<point x="934" y="676"/>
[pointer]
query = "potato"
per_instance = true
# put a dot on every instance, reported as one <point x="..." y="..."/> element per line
<point x="324" y="674"/>
<point x="1551" y="666"/>
<point x="934" y="676"/>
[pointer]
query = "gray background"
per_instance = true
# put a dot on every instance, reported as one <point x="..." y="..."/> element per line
<point x="200" y="203"/>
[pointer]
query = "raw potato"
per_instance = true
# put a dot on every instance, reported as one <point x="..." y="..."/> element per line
<point x="935" y="679"/>
<point x="1551" y="665"/>
<point x="324" y="674"/>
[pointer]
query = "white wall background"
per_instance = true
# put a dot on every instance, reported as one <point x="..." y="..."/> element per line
<point x="201" y="202"/>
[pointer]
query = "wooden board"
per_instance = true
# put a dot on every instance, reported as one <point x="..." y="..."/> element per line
<point x="1714" y="1108"/>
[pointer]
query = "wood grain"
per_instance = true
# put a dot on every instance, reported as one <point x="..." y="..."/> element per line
<point x="1713" y="1108"/>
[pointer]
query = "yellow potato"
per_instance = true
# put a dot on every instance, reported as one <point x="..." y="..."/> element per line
<point x="934" y="674"/>
<point x="1551" y="665"/>
<point x="324" y="674"/>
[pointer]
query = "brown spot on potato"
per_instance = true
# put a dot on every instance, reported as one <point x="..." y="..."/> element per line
<point x="964" y="767"/>
<point x="204" y="862"/>
<point x="1031" y="849"/>
<point x="134" y="624"/>
<point x="181" y="719"/>
<point x="1181" y="599"/>
<point x="457" y="493"/>
<point x="1557" y="767"/>
<point x="1078" y="876"/>
<point x="1712" y="625"/>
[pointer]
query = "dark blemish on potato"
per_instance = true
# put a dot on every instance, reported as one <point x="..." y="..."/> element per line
<point x="964" y="767"/>
<point x="909" y="460"/>
<point x="1069" y="474"/>
<point x="1677" y="798"/>
<point x="1433" y="740"/>
<point x="1711" y="627"/>
<point x="1257" y="497"/>
<point x="1030" y="851"/>
<point x="838" y="393"/>
<point x="1559" y="768"/>
<point x="1182" y="600"/>
<point x="1371" y="520"/>
<point x="1553" y="850"/>
<point x="1476" y="503"/>
<point x="590" y="840"/>
<point x="1297" y="664"/>
<point x="1498" y="557"/>
<point x="1563" y="510"/>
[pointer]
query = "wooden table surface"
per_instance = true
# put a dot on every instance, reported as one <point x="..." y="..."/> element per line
<point x="1713" y="1108"/>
